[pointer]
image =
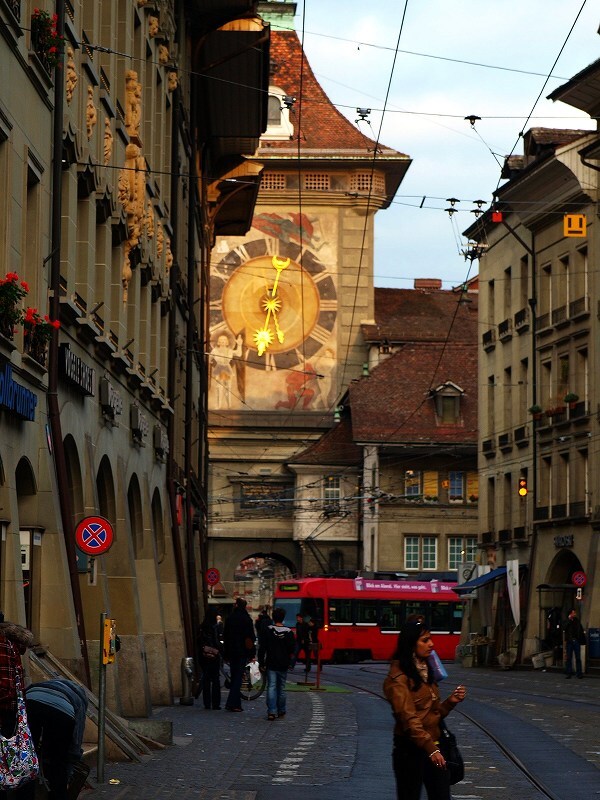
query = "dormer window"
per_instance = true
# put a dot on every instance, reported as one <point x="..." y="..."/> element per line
<point x="447" y="403"/>
<point x="279" y="127"/>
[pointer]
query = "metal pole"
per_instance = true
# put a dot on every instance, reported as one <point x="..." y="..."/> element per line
<point x="101" y="703"/>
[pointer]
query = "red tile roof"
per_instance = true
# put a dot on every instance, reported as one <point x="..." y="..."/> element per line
<point x="394" y="404"/>
<point x="323" y="127"/>
<point x="403" y="315"/>
<point x="334" y="448"/>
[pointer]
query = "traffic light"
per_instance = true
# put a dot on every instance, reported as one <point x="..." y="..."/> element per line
<point x="522" y="487"/>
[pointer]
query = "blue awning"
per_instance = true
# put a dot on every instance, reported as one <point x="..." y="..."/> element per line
<point x="482" y="580"/>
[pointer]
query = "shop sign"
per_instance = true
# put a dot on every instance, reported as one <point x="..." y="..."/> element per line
<point x="139" y="425"/>
<point x="110" y="400"/>
<point x="567" y="540"/>
<point x="15" y="397"/>
<point x="76" y="371"/>
<point x="161" y="442"/>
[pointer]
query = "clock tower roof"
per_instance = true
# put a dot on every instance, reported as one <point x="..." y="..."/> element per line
<point x="325" y="135"/>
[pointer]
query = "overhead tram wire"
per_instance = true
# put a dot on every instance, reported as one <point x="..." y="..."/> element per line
<point x="522" y="131"/>
<point x="373" y="162"/>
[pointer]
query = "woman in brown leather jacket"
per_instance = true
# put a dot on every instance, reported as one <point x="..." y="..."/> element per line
<point x="415" y="700"/>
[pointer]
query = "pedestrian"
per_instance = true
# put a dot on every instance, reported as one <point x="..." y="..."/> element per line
<point x="301" y="632"/>
<point x="262" y="623"/>
<point x="415" y="700"/>
<point x="14" y="641"/>
<point x="56" y="711"/>
<point x="210" y="655"/>
<point x="275" y="650"/>
<point x="239" y="649"/>
<point x="220" y="627"/>
<point x="574" y="638"/>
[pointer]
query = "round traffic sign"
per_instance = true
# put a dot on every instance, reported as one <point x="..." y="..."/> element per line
<point x="579" y="578"/>
<point x="213" y="576"/>
<point x="94" y="535"/>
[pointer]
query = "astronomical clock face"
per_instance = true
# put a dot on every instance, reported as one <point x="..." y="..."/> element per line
<point x="273" y="311"/>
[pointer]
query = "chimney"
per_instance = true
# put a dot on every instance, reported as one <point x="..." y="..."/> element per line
<point x="428" y="283"/>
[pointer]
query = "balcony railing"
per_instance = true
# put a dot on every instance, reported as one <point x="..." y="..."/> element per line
<point x="488" y="339"/>
<point x="505" y="330"/>
<point x="489" y="447"/>
<point x="522" y="320"/>
<point x="487" y="537"/>
<point x="519" y="533"/>
<point x="505" y="442"/>
<point x="559" y="510"/>
<point x="579" y="307"/>
<point x="559" y="316"/>
<point x="541" y="513"/>
<point x="504" y="535"/>
<point x="521" y="436"/>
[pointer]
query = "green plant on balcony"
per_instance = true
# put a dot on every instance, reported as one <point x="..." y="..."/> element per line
<point x="38" y="332"/>
<point x="535" y="409"/>
<point x="571" y="399"/>
<point x="45" y="39"/>
<point x="12" y="291"/>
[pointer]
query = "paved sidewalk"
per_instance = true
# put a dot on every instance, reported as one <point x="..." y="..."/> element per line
<point x="219" y="755"/>
<point x="338" y="743"/>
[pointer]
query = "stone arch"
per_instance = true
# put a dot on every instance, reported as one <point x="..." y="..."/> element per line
<point x="158" y="526"/>
<point x="74" y="478"/>
<point x="562" y="566"/>
<point x="136" y="517"/>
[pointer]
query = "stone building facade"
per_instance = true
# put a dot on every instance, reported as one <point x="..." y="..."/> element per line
<point x="113" y="167"/>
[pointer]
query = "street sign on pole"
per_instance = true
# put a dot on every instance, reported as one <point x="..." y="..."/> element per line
<point x="213" y="576"/>
<point x="94" y="535"/>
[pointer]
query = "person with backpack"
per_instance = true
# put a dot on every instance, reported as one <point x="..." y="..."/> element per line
<point x="275" y="650"/>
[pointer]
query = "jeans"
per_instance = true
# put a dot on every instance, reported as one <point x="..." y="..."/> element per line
<point x="413" y="768"/>
<point x="573" y="649"/>
<point x="276" y="691"/>
<point x="237" y="665"/>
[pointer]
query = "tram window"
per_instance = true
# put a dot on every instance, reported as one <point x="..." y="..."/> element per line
<point x="340" y="612"/>
<point x="307" y="606"/>
<point x="313" y="608"/>
<point x="291" y="608"/>
<point x="366" y="612"/>
<point x="441" y="617"/>
<point x="415" y="609"/>
<point x="390" y="616"/>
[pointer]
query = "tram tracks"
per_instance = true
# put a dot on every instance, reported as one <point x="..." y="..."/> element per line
<point x="487" y="715"/>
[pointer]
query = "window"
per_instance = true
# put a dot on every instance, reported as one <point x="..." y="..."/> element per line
<point x="456" y="491"/>
<point x="340" y="612"/>
<point x="429" y="552"/>
<point x="366" y="612"/>
<point x="390" y="617"/>
<point x="412" y="483"/>
<point x="274" y="111"/>
<point x="420" y="549"/>
<point x="461" y="549"/>
<point x="331" y="491"/>
<point x="411" y="552"/>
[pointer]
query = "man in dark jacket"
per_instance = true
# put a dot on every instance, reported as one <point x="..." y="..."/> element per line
<point x="275" y="650"/>
<point x="239" y="649"/>
<point x="574" y="638"/>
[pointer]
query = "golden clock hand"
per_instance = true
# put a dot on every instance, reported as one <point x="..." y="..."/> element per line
<point x="280" y="264"/>
<point x="280" y="335"/>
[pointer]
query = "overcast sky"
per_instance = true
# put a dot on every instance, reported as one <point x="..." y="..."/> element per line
<point x="351" y="47"/>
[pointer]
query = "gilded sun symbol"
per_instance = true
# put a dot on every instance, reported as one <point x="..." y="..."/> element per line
<point x="262" y="339"/>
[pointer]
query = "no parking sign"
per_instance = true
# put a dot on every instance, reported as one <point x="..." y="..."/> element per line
<point x="94" y="535"/>
<point x="213" y="576"/>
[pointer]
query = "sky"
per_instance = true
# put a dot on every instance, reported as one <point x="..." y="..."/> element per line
<point x="419" y="99"/>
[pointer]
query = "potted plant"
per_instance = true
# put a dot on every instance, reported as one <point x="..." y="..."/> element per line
<point x="12" y="291"/>
<point x="45" y="40"/>
<point x="536" y="411"/>
<point x="571" y="399"/>
<point x="473" y="498"/>
<point x="38" y="332"/>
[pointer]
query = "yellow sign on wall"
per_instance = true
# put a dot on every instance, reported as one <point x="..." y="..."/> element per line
<point x="574" y="225"/>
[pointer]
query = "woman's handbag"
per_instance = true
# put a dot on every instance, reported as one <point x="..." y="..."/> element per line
<point x="449" y="749"/>
<point x="209" y="652"/>
<point x="18" y="760"/>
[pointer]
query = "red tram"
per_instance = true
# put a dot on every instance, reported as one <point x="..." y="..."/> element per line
<point x="360" y="618"/>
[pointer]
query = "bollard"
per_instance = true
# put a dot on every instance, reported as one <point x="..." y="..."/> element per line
<point x="187" y="676"/>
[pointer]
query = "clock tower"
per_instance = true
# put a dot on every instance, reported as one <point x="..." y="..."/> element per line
<point x="287" y="300"/>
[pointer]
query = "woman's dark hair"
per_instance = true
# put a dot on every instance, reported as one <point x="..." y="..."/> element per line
<point x="404" y="654"/>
